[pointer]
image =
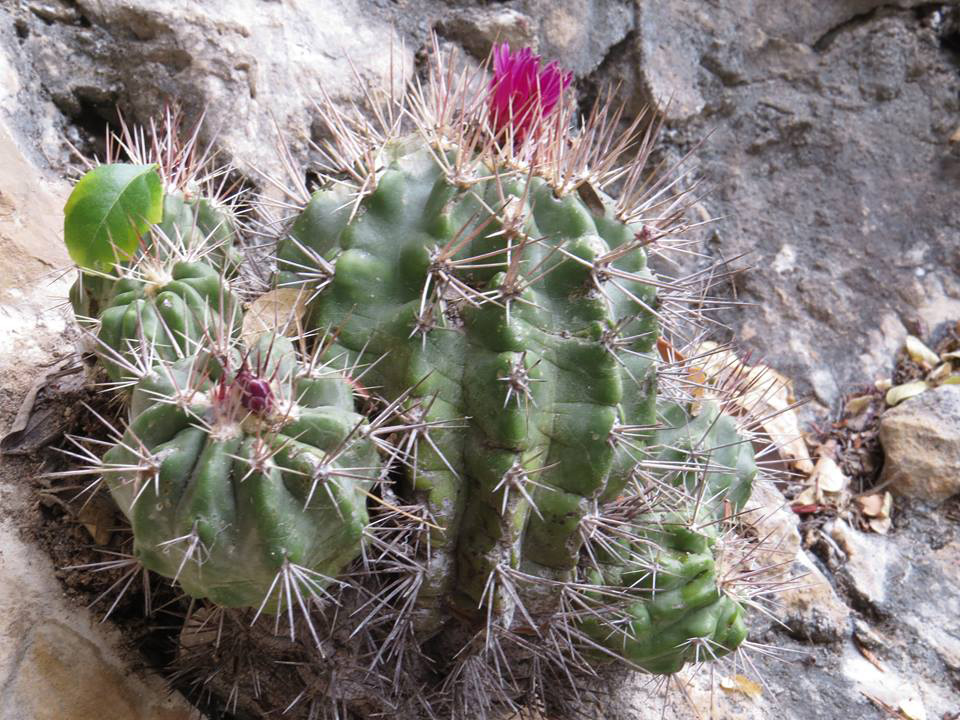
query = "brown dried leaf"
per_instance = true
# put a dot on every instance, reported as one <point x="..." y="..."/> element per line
<point x="828" y="477"/>
<point x="280" y="309"/>
<point x="858" y="404"/>
<point x="871" y="505"/>
<point x="920" y="353"/>
<point x="898" y="393"/>
<point x="881" y="526"/>
<point x="98" y="517"/>
<point x="762" y="392"/>
<point x="742" y="685"/>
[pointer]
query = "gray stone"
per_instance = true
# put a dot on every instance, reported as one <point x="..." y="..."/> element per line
<point x="477" y="29"/>
<point x="872" y="566"/>
<point x="580" y="33"/>
<point x="921" y="445"/>
<point x="60" y="674"/>
<point x="828" y="162"/>
<point x="807" y="604"/>
<point x="254" y="67"/>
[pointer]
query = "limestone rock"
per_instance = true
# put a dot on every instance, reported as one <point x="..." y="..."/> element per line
<point x="921" y="444"/>
<point x="808" y="605"/>
<point x="818" y="119"/>
<point x="477" y="29"/>
<point x="580" y="33"/>
<point x="873" y="564"/>
<point x="61" y="674"/>
<point x="248" y="63"/>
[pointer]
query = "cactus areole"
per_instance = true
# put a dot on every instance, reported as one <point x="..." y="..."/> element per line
<point x="477" y="450"/>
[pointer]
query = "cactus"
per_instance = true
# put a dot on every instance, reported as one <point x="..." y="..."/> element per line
<point x="517" y="321"/>
<point x="683" y="614"/>
<point x="496" y="328"/>
<point x="242" y="482"/>
<point x="483" y="452"/>
<point x="160" y="314"/>
<point x="165" y="204"/>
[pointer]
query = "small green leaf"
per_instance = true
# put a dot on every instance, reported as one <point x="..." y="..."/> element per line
<point x="108" y="211"/>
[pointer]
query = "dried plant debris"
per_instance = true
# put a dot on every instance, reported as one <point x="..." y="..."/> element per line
<point x="918" y="368"/>
<point x="849" y="456"/>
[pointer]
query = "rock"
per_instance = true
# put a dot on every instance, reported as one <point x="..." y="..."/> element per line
<point x="819" y="119"/>
<point x="668" y="60"/>
<point x="247" y="63"/>
<point x="811" y="608"/>
<point x="32" y="280"/>
<point x="478" y="29"/>
<point x="868" y="638"/>
<point x="921" y="444"/>
<point x="873" y="564"/>
<point x="580" y="33"/>
<point x="898" y="691"/>
<point x="59" y="674"/>
<point x="806" y="603"/>
<point x="935" y="615"/>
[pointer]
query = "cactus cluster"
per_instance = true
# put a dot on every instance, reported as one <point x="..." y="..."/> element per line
<point x="479" y="463"/>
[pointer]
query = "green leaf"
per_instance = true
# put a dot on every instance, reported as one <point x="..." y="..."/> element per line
<point x="108" y="211"/>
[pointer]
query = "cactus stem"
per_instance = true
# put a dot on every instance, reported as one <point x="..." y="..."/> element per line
<point x="518" y="381"/>
<point x="413" y="428"/>
<point x="517" y="477"/>
<point x="135" y="364"/>
<point x="317" y="275"/>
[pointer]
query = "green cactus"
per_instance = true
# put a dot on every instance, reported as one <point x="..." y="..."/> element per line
<point x="233" y="480"/>
<point x="164" y="315"/>
<point x="155" y="288"/>
<point x="511" y="466"/>
<point x="523" y="326"/>
<point x="678" y="612"/>
<point x="189" y="225"/>
<point x="487" y="303"/>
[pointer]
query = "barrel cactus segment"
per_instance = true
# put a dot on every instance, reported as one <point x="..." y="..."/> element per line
<point x="163" y="311"/>
<point x="496" y="289"/>
<point x="246" y="484"/>
<point x="658" y="599"/>
<point x="156" y="197"/>
<point x="487" y="305"/>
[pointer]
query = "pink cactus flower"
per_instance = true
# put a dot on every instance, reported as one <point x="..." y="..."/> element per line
<point x="522" y="93"/>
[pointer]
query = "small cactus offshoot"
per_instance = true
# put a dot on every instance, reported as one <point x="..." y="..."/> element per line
<point x="481" y="466"/>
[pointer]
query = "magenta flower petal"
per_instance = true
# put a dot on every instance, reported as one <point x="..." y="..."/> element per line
<point x="522" y="93"/>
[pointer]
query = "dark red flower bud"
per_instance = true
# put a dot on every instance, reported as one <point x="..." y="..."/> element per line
<point x="255" y="393"/>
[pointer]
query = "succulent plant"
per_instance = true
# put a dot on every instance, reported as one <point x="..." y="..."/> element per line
<point x="484" y="454"/>
<point x="240" y="481"/>
<point x="130" y="223"/>
<point x="518" y="361"/>
<point x="504" y="299"/>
